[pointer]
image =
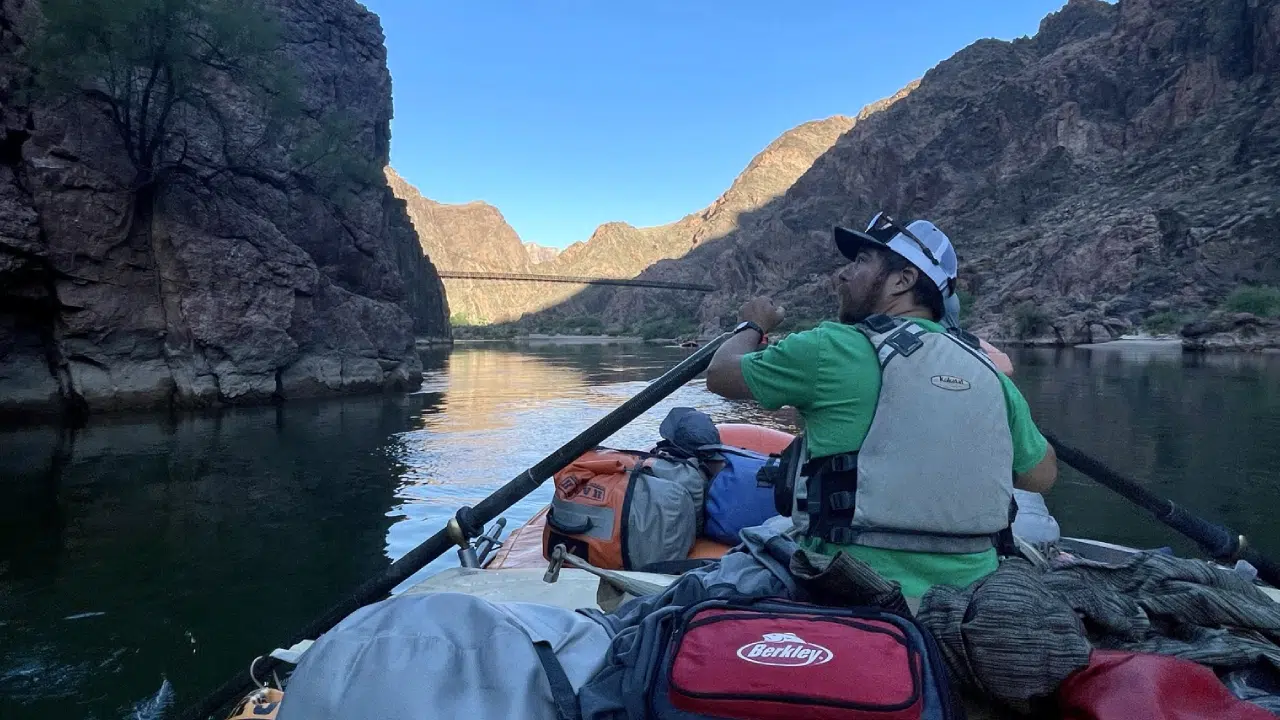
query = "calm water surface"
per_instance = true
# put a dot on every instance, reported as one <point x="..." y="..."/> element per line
<point x="148" y="553"/>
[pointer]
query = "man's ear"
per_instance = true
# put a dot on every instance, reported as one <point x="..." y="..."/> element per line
<point x="906" y="280"/>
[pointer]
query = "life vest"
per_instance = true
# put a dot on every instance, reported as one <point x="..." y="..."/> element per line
<point x="625" y="510"/>
<point x="934" y="473"/>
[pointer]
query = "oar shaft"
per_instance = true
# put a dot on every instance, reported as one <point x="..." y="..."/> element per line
<point x="1268" y="569"/>
<point x="1131" y="490"/>
<point x="484" y="511"/>
<point x="1218" y="541"/>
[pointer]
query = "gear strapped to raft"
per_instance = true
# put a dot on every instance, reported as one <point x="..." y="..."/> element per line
<point x="627" y="510"/>
<point x="934" y="471"/>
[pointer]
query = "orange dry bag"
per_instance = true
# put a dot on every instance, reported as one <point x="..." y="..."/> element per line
<point x="624" y="510"/>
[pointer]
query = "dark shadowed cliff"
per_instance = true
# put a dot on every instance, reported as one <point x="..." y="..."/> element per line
<point x="1123" y="162"/>
<point x="261" y="280"/>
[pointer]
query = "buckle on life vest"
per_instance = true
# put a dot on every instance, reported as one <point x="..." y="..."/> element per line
<point x="841" y="500"/>
<point x="904" y="342"/>
<point x="880" y="323"/>
<point x="844" y="462"/>
<point x="841" y="535"/>
<point x="967" y="338"/>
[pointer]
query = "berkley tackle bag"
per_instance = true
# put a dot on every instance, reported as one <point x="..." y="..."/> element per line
<point x="625" y="510"/>
<point x="779" y="660"/>
<point x="735" y="498"/>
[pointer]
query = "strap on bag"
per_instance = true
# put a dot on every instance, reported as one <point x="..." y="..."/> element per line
<point x="562" y="693"/>
<point x="569" y="522"/>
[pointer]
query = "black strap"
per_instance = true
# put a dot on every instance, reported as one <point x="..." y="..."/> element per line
<point x="967" y="337"/>
<point x="904" y="342"/>
<point x="676" y="567"/>
<point x="831" y="496"/>
<point x="567" y="522"/>
<point x="780" y="471"/>
<point x="1006" y="546"/>
<point x="979" y="354"/>
<point x="562" y="693"/>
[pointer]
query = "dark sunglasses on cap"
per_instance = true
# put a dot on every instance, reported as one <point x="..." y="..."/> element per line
<point x="882" y="222"/>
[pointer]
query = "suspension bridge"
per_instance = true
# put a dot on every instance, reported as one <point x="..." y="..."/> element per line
<point x="576" y="280"/>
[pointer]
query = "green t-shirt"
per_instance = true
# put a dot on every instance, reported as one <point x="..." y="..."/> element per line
<point x="831" y="375"/>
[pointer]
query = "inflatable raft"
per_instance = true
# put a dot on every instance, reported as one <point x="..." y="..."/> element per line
<point x="517" y="569"/>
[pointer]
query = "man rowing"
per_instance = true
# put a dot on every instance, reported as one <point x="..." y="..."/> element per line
<point x="915" y="440"/>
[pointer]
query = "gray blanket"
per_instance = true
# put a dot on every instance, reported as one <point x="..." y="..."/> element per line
<point x="1006" y="637"/>
<point x="1158" y="603"/>
<point x="1015" y="635"/>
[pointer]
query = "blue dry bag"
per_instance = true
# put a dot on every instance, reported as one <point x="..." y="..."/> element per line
<point x="734" y="500"/>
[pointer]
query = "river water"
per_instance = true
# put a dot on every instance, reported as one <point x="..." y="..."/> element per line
<point x="144" y="559"/>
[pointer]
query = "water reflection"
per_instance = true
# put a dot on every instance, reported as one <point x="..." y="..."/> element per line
<point x="1199" y="429"/>
<point x="138" y="550"/>
<point x="506" y="408"/>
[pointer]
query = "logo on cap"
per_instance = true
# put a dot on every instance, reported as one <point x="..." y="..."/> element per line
<point x="785" y="650"/>
<point x="950" y="382"/>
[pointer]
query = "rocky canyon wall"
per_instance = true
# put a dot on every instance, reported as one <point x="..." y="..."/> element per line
<point x="256" y="283"/>
<point x="1123" y="162"/>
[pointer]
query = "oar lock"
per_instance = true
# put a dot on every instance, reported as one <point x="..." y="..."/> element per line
<point x="456" y="534"/>
<point x="560" y="555"/>
<point x="474" y="545"/>
<point x="462" y="529"/>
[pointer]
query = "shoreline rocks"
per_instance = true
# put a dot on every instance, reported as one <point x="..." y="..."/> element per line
<point x="1240" y="332"/>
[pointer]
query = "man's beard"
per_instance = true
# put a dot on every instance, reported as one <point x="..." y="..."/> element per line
<point x="856" y="309"/>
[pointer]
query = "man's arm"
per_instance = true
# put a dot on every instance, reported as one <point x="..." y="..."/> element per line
<point x="724" y="374"/>
<point x="1041" y="477"/>
<point x="1035" y="464"/>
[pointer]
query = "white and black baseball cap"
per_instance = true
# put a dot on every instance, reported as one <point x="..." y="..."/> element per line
<point x="920" y="242"/>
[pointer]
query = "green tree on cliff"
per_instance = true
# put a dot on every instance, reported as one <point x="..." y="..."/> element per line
<point x="194" y="88"/>
<point x="155" y="67"/>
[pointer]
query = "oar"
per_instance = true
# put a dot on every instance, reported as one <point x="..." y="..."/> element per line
<point x="1218" y="542"/>
<point x="471" y="520"/>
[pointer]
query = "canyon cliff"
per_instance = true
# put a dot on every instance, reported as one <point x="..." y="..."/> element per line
<point x="256" y="282"/>
<point x="1123" y="162"/>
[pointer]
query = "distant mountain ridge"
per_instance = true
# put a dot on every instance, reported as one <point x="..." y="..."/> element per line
<point x="540" y="254"/>
<point x="475" y="237"/>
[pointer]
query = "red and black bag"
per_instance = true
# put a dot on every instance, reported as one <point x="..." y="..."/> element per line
<point x="780" y="660"/>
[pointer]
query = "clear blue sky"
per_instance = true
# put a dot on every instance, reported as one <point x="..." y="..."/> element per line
<point x="566" y="114"/>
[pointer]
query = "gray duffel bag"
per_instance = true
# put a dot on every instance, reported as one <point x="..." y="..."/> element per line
<point x="447" y="655"/>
